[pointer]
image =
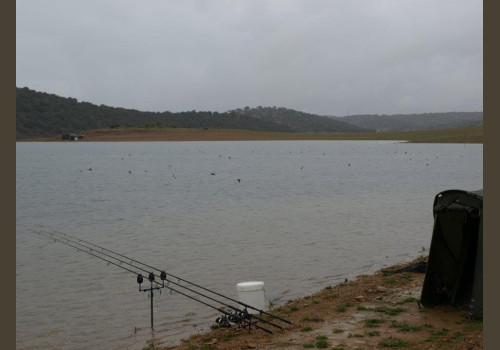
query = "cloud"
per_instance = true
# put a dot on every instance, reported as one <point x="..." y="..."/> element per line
<point x="325" y="57"/>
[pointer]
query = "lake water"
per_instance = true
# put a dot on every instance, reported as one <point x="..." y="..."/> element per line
<point x="303" y="215"/>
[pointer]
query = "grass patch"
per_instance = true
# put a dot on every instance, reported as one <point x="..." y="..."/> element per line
<point x="373" y="334"/>
<point x="386" y="310"/>
<point x="294" y="308"/>
<point x="305" y="318"/>
<point x="344" y="307"/>
<point x="373" y="322"/>
<point x="308" y="346"/>
<point x="408" y="300"/>
<point x="361" y="308"/>
<point x="394" y="343"/>
<point x="226" y="336"/>
<point x="315" y="301"/>
<point x="355" y="335"/>
<point x="321" y="341"/>
<point x="407" y="276"/>
<point x="405" y="327"/>
<point x="441" y="332"/>
<point x="436" y="335"/>
<point x="208" y="347"/>
<point x="389" y="310"/>
<point x="336" y="331"/>
<point x="307" y="329"/>
<point x="321" y="344"/>
<point x="473" y="326"/>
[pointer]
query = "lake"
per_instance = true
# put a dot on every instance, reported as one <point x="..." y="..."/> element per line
<point x="297" y="215"/>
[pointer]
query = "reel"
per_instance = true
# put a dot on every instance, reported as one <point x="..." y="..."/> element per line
<point x="223" y="321"/>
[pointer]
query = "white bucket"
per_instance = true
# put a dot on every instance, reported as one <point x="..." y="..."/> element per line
<point x="252" y="293"/>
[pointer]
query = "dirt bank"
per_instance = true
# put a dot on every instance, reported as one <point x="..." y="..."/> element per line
<point x="372" y="312"/>
<point x="457" y="135"/>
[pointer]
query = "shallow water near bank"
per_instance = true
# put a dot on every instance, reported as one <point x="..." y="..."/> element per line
<point x="298" y="215"/>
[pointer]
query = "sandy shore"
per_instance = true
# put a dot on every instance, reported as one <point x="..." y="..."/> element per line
<point x="372" y="312"/>
<point x="458" y="135"/>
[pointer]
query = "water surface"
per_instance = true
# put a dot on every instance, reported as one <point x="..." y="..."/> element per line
<point x="303" y="215"/>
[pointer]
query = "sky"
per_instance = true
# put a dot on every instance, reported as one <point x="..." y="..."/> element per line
<point x="327" y="57"/>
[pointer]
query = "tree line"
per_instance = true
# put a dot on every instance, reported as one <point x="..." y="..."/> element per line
<point x="39" y="114"/>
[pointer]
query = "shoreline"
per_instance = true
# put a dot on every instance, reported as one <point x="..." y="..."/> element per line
<point x="372" y="311"/>
<point x="456" y="135"/>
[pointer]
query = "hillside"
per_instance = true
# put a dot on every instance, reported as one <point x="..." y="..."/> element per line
<point x="410" y="122"/>
<point x="39" y="114"/>
<point x="296" y="121"/>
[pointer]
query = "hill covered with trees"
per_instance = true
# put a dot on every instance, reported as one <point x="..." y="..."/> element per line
<point x="412" y="122"/>
<point x="295" y="121"/>
<point x="40" y="114"/>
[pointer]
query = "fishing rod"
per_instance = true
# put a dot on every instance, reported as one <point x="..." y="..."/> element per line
<point x="242" y="318"/>
<point x="180" y="279"/>
<point x="163" y="277"/>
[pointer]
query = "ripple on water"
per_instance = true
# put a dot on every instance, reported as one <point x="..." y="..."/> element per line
<point x="300" y="219"/>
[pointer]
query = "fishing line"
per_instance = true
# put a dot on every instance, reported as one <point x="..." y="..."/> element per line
<point x="162" y="276"/>
<point x="178" y="278"/>
<point x="238" y="317"/>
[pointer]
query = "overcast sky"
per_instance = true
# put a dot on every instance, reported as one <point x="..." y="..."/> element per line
<point x="334" y="57"/>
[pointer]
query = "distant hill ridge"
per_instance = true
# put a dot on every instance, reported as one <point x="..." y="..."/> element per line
<point x="294" y="121"/>
<point x="411" y="122"/>
<point x="40" y="114"/>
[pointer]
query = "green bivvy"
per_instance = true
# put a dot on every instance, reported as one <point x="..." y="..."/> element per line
<point x="454" y="273"/>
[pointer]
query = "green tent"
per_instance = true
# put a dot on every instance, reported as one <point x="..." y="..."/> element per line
<point x="454" y="273"/>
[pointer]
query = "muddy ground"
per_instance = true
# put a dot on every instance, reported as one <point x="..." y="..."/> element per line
<point x="372" y="312"/>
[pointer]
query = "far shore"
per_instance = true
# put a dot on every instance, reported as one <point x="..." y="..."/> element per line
<point x="455" y="135"/>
